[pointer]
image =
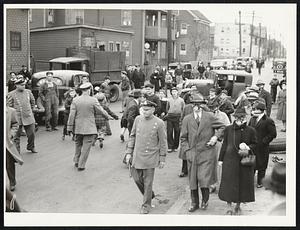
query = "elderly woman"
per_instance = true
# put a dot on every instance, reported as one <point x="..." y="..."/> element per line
<point x="237" y="180"/>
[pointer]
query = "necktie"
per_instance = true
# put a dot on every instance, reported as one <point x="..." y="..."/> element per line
<point x="198" y="119"/>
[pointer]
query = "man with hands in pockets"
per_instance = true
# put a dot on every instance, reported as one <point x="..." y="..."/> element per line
<point x="146" y="150"/>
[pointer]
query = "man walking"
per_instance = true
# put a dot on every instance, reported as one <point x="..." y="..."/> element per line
<point x="125" y="86"/>
<point x="12" y="154"/>
<point x="82" y="116"/>
<point x="274" y="83"/>
<point x="266" y="132"/>
<point x="138" y="77"/>
<point x="146" y="150"/>
<point x="23" y="102"/>
<point x="265" y="95"/>
<point x="49" y="95"/>
<point x="175" y="106"/>
<point x="151" y="96"/>
<point x="198" y="140"/>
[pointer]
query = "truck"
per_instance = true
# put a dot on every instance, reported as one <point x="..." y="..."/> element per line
<point x="98" y="64"/>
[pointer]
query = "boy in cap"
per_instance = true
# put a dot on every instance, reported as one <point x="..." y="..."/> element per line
<point x="266" y="132"/>
<point x="146" y="150"/>
<point x="265" y="95"/>
<point x="125" y="86"/>
<point x="225" y="104"/>
<point x="151" y="96"/>
<point x="175" y="108"/>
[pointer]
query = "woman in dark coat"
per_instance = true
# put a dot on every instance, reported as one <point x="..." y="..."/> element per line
<point x="281" y="112"/>
<point x="237" y="181"/>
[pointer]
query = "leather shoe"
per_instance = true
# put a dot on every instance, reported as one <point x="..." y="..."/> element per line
<point x="204" y="205"/>
<point x="144" y="210"/>
<point x="32" y="150"/>
<point x="193" y="208"/>
<point x="76" y="165"/>
<point x="81" y="169"/>
<point x="259" y="186"/>
<point x="182" y="174"/>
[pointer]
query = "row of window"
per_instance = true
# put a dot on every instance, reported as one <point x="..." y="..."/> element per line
<point x="233" y="50"/>
<point x="228" y="30"/>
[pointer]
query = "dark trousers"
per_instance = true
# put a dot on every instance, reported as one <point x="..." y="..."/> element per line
<point x="144" y="181"/>
<point x="10" y="168"/>
<point x="273" y="93"/>
<point x="260" y="175"/>
<point x="83" y="144"/>
<point x="173" y="131"/>
<point x="184" y="167"/>
<point x="66" y="117"/>
<point x="29" y="129"/>
<point x="195" y="196"/>
<point x="259" y="70"/>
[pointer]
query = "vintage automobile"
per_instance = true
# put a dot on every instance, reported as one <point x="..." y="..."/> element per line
<point x="279" y="66"/>
<point x="186" y="66"/>
<point x="234" y="81"/>
<point x="65" y="80"/>
<point x="241" y="62"/>
<point x="227" y="63"/>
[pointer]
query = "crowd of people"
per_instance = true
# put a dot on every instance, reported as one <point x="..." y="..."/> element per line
<point x="207" y="133"/>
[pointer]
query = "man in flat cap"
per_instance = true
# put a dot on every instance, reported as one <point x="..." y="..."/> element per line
<point x="49" y="94"/>
<point x="82" y="116"/>
<point x="266" y="132"/>
<point x="146" y="150"/>
<point x="151" y="96"/>
<point x="23" y="102"/>
<point x="265" y="95"/>
<point x="199" y="134"/>
<point x="225" y="104"/>
<point x="125" y="86"/>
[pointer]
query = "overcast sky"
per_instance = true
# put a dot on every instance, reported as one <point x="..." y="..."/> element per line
<point x="276" y="17"/>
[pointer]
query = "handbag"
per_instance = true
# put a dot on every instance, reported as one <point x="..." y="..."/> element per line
<point x="248" y="160"/>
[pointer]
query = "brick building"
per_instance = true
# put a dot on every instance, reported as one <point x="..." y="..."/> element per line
<point x="17" y="39"/>
<point x="193" y="37"/>
<point x="52" y="31"/>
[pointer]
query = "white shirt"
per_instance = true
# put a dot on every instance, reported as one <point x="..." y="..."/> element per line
<point x="198" y="116"/>
<point x="259" y="117"/>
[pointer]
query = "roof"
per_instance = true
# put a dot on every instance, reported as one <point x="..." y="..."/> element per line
<point x="232" y="72"/>
<point x="199" y="16"/>
<point x="67" y="59"/>
<point x="60" y="73"/>
<point x="81" y="26"/>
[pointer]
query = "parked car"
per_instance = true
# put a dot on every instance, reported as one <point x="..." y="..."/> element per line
<point x="186" y="66"/>
<point x="279" y="66"/>
<point x="241" y="62"/>
<point x="65" y="80"/>
<point x="228" y="63"/>
<point x="234" y="81"/>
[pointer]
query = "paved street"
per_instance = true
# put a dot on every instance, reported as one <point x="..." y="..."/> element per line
<point x="49" y="182"/>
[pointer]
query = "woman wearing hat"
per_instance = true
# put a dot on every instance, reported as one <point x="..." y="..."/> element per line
<point x="281" y="112"/>
<point x="237" y="181"/>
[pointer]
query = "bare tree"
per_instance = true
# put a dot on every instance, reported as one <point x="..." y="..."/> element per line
<point x="199" y="41"/>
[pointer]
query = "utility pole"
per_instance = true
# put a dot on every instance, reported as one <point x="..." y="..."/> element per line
<point x="169" y="36"/>
<point x="251" y="35"/>
<point x="240" y="32"/>
<point x="259" y="42"/>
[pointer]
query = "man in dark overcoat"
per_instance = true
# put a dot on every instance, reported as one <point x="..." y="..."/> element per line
<point x="265" y="95"/>
<point x="266" y="132"/>
<point x="199" y="135"/>
<point x="138" y="77"/>
<point x="132" y="110"/>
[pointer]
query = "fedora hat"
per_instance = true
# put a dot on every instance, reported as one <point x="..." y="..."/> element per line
<point x="276" y="182"/>
<point x="240" y="112"/>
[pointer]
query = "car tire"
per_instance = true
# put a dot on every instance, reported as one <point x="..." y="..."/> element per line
<point x="114" y="92"/>
<point x="278" y="145"/>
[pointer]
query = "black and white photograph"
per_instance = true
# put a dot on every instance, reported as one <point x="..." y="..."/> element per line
<point x="149" y="114"/>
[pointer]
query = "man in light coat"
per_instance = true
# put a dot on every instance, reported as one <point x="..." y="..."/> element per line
<point x="23" y="102"/>
<point x="199" y="135"/>
<point x="12" y="154"/>
<point x="82" y="122"/>
<point x="146" y="150"/>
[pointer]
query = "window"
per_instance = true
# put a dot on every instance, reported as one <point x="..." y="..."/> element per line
<point x="244" y="41"/>
<point x="118" y="46"/>
<point x="222" y="30"/>
<point x="183" y="28"/>
<point x="101" y="46"/>
<point x="151" y="18"/>
<point x="126" y="17"/>
<point x="182" y="49"/>
<point x="227" y="41"/>
<point x="15" y="40"/>
<point x="30" y="15"/>
<point x="164" y="20"/>
<point x="74" y="16"/>
<point x="51" y="16"/>
<point x="244" y="50"/>
<point x="255" y="41"/>
<point x="163" y="50"/>
<point x="240" y="79"/>
<point x="111" y="46"/>
<point x="222" y="40"/>
<point x="221" y="49"/>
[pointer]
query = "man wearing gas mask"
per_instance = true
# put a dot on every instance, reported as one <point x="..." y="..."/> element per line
<point x="266" y="132"/>
<point x="199" y="135"/>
